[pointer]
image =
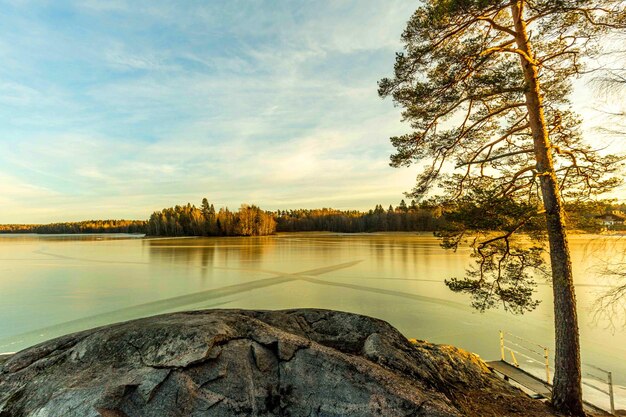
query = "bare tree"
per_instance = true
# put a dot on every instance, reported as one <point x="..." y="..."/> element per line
<point x="611" y="305"/>
<point x="611" y="84"/>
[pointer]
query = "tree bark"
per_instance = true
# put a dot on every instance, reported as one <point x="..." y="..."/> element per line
<point x="567" y="391"/>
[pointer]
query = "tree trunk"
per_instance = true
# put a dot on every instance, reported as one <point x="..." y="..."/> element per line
<point x="567" y="392"/>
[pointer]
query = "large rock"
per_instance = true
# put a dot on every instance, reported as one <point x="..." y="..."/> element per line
<point x="267" y="363"/>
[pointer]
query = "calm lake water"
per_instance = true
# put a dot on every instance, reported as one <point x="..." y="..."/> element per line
<point x="52" y="285"/>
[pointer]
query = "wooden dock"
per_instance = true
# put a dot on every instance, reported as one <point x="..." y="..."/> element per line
<point x="528" y="381"/>
<point x="534" y="384"/>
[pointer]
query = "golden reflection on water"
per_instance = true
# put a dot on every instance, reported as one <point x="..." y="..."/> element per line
<point x="54" y="285"/>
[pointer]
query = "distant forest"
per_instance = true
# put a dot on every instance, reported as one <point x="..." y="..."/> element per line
<point x="88" y="226"/>
<point x="190" y="220"/>
<point x="250" y="220"/>
<point x="402" y="218"/>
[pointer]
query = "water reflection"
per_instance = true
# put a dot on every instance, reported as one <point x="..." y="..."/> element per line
<point x="53" y="286"/>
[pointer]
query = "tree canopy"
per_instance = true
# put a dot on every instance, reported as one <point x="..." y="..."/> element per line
<point x="189" y="220"/>
<point x="462" y="89"/>
<point x="485" y="87"/>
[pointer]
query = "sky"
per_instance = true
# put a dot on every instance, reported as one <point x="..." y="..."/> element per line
<point x="115" y="109"/>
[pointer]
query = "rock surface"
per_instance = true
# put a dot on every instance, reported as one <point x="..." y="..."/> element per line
<point x="266" y="363"/>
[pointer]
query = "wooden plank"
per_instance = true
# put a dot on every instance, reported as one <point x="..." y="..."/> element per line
<point x="535" y="384"/>
<point x="521" y="377"/>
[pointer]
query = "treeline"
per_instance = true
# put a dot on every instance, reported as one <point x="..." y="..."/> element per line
<point x="88" y="226"/>
<point x="250" y="220"/>
<point x="427" y="216"/>
<point x="403" y="218"/>
<point x="190" y="220"/>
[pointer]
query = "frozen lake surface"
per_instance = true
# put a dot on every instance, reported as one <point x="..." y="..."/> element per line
<point x="52" y="285"/>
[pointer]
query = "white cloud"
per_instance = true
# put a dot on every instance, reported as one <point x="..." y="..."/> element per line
<point x="136" y="106"/>
<point x="12" y="93"/>
<point x="103" y="6"/>
<point x="12" y="188"/>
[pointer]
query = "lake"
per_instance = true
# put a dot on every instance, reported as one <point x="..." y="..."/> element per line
<point x="52" y="285"/>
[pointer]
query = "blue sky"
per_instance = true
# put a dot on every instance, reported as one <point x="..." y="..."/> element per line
<point x="113" y="109"/>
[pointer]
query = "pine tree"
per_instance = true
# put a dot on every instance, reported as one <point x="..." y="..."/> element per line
<point x="484" y="85"/>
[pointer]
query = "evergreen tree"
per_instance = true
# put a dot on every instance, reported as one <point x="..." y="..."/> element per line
<point x="484" y="85"/>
